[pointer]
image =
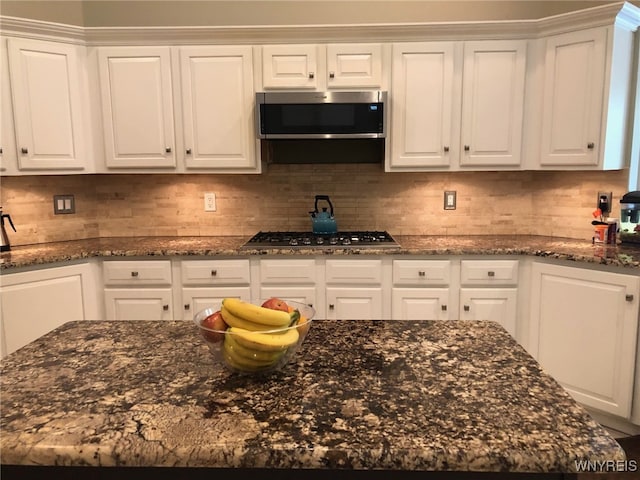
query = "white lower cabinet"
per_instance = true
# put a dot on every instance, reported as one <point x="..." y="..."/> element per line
<point x="583" y="331"/>
<point x="354" y="289"/>
<point x="205" y="283"/>
<point x="496" y="304"/>
<point x="291" y="279"/>
<point x="138" y="289"/>
<point x="35" y="302"/>
<point x="138" y="303"/>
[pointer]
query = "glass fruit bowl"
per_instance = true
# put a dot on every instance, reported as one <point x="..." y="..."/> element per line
<point x="244" y="345"/>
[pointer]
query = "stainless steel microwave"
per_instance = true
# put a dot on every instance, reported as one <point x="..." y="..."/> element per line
<point x="318" y="115"/>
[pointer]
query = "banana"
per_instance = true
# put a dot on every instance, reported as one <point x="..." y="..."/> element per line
<point x="257" y="314"/>
<point x="258" y="356"/>
<point x="233" y="321"/>
<point x="240" y="365"/>
<point x="266" y="342"/>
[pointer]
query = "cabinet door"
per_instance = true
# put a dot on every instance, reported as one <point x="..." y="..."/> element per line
<point x="573" y="96"/>
<point x="354" y="303"/>
<point x="137" y="106"/>
<point x="493" y="102"/>
<point x="217" y="101"/>
<point x="8" y="158"/>
<point x="47" y="104"/>
<point x="496" y="304"/>
<point x="420" y="304"/>
<point x="195" y="300"/>
<point x="423" y="101"/>
<point x="583" y="331"/>
<point x="138" y="304"/>
<point x="289" y="66"/>
<point x="354" y="65"/>
<point x="59" y="299"/>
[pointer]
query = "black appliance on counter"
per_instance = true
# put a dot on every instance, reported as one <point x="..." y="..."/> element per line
<point x="350" y="239"/>
<point x="630" y="217"/>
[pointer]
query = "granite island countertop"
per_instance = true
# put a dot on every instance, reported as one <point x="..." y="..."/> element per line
<point x="622" y="255"/>
<point x="359" y="395"/>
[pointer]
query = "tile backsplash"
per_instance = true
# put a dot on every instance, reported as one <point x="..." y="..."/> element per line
<point x="363" y="195"/>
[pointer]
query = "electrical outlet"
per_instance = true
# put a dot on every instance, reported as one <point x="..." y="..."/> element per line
<point x="604" y="202"/>
<point x="210" y="202"/>
<point x="450" y="200"/>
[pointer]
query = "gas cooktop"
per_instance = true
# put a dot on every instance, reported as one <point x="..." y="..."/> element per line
<point x="351" y="239"/>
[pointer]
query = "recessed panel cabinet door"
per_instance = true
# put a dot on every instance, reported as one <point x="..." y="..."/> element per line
<point x="421" y="112"/>
<point x="345" y="303"/>
<point x="420" y="303"/>
<point x="573" y="97"/>
<point x="493" y="102"/>
<point x="137" y="106"/>
<point x="47" y="106"/>
<point x="8" y="159"/>
<point x="494" y="304"/>
<point x="583" y="331"/>
<point x="354" y="65"/>
<point x="138" y="304"/>
<point x="289" y="66"/>
<point x="217" y="100"/>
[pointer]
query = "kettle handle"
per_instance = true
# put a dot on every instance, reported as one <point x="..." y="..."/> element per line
<point x="323" y="197"/>
<point x="10" y="221"/>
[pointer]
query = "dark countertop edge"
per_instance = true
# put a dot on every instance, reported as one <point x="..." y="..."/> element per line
<point x="557" y="248"/>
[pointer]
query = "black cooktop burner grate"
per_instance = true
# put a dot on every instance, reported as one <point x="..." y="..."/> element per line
<point x="350" y="239"/>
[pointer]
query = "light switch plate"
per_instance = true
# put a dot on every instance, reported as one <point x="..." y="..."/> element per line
<point x="209" y="202"/>
<point x="64" y="204"/>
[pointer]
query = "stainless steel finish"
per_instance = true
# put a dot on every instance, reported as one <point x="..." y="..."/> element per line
<point x="296" y="240"/>
<point x="373" y="96"/>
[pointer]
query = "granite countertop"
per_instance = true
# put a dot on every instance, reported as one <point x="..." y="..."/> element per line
<point x="624" y="255"/>
<point x="432" y="396"/>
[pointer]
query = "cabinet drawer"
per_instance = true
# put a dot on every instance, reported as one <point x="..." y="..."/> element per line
<point x="354" y="271"/>
<point x="137" y="272"/>
<point x="291" y="272"/>
<point x="421" y="272"/>
<point x="216" y="272"/>
<point x="489" y="272"/>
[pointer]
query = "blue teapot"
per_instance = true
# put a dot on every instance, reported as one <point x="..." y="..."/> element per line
<point x="323" y="222"/>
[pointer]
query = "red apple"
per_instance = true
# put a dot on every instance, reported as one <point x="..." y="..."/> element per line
<point x="214" y="322"/>
<point x="276" y="304"/>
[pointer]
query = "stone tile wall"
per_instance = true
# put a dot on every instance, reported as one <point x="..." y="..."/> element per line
<point x="364" y="197"/>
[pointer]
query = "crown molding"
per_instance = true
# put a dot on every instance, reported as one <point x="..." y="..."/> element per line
<point x="621" y="14"/>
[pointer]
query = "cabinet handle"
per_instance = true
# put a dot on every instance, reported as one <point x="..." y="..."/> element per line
<point x="165" y="308"/>
<point x="187" y="306"/>
<point x="444" y="308"/>
<point x="466" y="148"/>
<point x="491" y="273"/>
<point x="629" y="297"/>
<point x="214" y="273"/>
<point x="0" y="150"/>
<point x="466" y="308"/>
<point x="446" y="148"/>
<point x="422" y="273"/>
<point x="168" y="149"/>
<point x="332" y="75"/>
<point x="134" y="274"/>
<point x="331" y="306"/>
<point x="312" y="75"/>
<point x="188" y="151"/>
<point x="24" y="150"/>
<point x="591" y="145"/>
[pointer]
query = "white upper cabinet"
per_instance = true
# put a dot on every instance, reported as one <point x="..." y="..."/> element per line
<point x="137" y="106"/>
<point x="587" y="99"/>
<point x="322" y="67"/>
<point x="354" y="65"/>
<point x="573" y="92"/>
<point x="46" y="91"/>
<point x="289" y="66"/>
<point x="422" y="104"/>
<point x="217" y="104"/>
<point x="493" y="103"/>
<point x="8" y="158"/>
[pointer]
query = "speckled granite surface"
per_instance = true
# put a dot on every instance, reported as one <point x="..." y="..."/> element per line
<point x="445" y="396"/>
<point x="625" y="255"/>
